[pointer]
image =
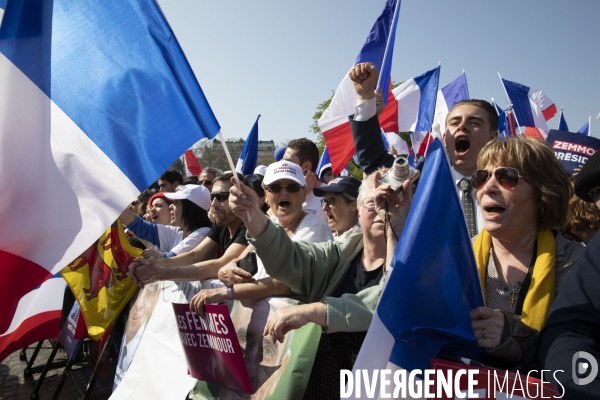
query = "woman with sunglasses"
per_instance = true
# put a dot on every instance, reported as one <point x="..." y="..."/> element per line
<point x="189" y="223"/>
<point x="523" y="262"/>
<point x="339" y="203"/>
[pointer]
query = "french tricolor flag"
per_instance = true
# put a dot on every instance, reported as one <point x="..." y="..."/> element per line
<point x="531" y="107"/>
<point x="89" y="89"/>
<point x="433" y="286"/>
<point x="416" y="100"/>
<point x="334" y="123"/>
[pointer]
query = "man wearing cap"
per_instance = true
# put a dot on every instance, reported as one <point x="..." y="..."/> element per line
<point x="339" y="204"/>
<point x="305" y="153"/>
<point x="285" y="189"/>
<point x="342" y="280"/>
<point x="228" y="234"/>
<point x="570" y="340"/>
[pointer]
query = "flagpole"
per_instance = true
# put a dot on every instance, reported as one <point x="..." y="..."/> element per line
<point x="387" y="43"/>
<point x="560" y="118"/>
<point x="509" y="102"/>
<point x="237" y="180"/>
<point x="495" y="106"/>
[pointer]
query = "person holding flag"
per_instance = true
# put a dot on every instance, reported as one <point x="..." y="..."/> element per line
<point x="342" y="280"/>
<point x="470" y="125"/>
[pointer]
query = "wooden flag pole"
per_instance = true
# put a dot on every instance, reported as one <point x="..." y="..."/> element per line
<point x="237" y="180"/>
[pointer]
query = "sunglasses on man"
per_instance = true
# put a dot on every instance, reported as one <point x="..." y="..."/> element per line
<point x="205" y="182"/>
<point x="277" y="188"/>
<point x="507" y="177"/>
<point x="221" y="196"/>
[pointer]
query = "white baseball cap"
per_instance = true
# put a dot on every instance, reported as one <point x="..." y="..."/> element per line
<point x="284" y="170"/>
<point x="260" y="170"/>
<point x="197" y="194"/>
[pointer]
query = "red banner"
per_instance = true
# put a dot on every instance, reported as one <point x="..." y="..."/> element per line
<point x="211" y="346"/>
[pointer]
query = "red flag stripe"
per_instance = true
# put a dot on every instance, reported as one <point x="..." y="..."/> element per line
<point x="24" y="276"/>
<point x="340" y="145"/>
<point x="39" y="327"/>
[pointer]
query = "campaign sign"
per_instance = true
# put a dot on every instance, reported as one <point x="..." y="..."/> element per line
<point x="211" y="346"/>
<point x="572" y="149"/>
<point x="496" y="384"/>
<point x="73" y="331"/>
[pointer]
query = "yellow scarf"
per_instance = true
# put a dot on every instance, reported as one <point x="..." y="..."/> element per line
<point x="540" y="296"/>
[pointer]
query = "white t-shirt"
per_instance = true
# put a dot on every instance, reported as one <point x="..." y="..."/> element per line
<point x="171" y="239"/>
<point x="312" y="205"/>
<point x="311" y="229"/>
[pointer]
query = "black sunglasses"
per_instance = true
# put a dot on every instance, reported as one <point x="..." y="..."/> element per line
<point x="205" y="182"/>
<point x="330" y="202"/>
<point x="507" y="177"/>
<point x="291" y="188"/>
<point x="221" y="196"/>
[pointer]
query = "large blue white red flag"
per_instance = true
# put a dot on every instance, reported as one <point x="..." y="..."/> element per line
<point x="249" y="155"/>
<point x="562" y="123"/>
<point x="531" y="107"/>
<point x="97" y="101"/>
<point x="416" y="99"/>
<point x="334" y="123"/>
<point x="433" y="285"/>
<point x="447" y="97"/>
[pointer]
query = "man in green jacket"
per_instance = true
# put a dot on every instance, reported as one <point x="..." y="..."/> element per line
<point x="342" y="280"/>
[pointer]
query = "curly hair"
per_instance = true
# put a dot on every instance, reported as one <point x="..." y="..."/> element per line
<point x="581" y="215"/>
<point x="535" y="160"/>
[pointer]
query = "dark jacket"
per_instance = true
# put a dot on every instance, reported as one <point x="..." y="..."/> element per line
<point x="573" y="325"/>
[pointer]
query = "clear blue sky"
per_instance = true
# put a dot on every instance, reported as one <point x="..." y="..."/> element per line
<point x="282" y="58"/>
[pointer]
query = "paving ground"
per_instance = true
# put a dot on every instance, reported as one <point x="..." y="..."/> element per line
<point x="13" y="385"/>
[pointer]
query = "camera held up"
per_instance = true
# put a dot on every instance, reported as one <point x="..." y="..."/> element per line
<point x="400" y="171"/>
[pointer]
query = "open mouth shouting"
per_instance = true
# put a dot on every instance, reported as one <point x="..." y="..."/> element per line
<point x="284" y="204"/>
<point x="493" y="210"/>
<point x="462" y="144"/>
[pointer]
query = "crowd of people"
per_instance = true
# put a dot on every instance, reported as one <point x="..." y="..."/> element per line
<point x="290" y="230"/>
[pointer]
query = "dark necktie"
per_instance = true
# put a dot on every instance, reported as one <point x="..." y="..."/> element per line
<point x="466" y="201"/>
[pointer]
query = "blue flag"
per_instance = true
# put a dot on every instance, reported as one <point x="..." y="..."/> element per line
<point x="249" y="156"/>
<point x="382" y="35"/>
<point x="585" y="130"/>
<point x="562" y="123"/>
<point x="502" y="132"/>
<point x="434" y="283"/>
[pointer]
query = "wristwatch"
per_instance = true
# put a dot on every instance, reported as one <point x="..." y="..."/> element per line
<point x="230" y="291"/>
